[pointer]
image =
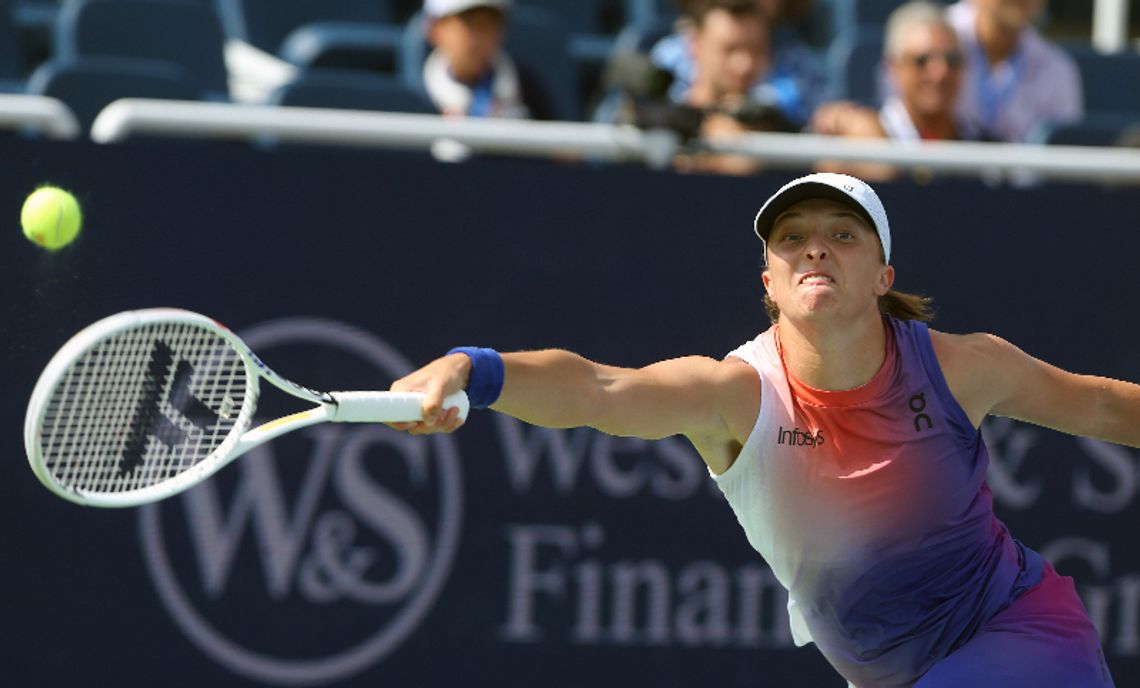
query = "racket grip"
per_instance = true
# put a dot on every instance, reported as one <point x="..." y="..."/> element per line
<point x="389" y="407"/>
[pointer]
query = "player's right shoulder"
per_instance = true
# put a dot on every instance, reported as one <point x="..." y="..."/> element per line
<point x="730" y="376"/>
<point x="737" y="372"/>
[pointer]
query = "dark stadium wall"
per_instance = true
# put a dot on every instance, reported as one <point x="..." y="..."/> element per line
<point x="503" y="555"/>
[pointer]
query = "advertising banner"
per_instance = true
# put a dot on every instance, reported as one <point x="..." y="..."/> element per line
<point x="503" y="554"/>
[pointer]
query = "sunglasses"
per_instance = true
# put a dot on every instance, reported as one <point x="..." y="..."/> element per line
<point x="952" y="58"/>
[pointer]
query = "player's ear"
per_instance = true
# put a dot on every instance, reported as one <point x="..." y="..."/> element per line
<point x="886" y="280"/>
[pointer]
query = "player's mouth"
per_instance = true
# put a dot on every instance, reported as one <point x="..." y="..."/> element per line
<point x="812" y="278"/>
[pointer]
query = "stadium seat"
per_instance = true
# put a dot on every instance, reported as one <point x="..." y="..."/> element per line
<point x="11" y="64"/>
<point x="1093" y="130"/>
<point x="593" y="24"/>
<point x="831" y="19"/>
<point x="34" y="20"/>
<point x="360" y="34"/>
<point x="187" y="34"/>
<point x="854" y="65"/>
<point x="1109" y="80"/>
<point x="648" y="11"/>
<point x="847" y="15"/>
<point x="89" y="85"/>
<point x="535" y="40"/>
<point x="352" y="90"/>
<point x="354" y="45"/>
<point x="642" y="35"/>
<point x="35" y="12"/>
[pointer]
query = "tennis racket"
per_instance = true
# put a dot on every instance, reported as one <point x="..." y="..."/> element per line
<point x="145" y="404"/>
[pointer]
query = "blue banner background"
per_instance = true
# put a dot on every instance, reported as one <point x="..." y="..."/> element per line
<point x="577" y="559"/>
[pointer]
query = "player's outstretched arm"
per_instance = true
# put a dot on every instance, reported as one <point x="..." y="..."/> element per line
<point x="707" y="400"/>
<point x="989" y="375"/>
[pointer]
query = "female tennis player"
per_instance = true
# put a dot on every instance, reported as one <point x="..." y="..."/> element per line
<point x="846" y="439"/>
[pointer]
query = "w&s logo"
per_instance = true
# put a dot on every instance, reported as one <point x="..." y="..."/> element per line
<point x="314" y="556"/>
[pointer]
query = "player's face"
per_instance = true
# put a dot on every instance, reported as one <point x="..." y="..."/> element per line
<point x="928" y="70"/>
<point x="823" y="259"/>
<point x="469" y="40"/>
<point x="731" y="52"/>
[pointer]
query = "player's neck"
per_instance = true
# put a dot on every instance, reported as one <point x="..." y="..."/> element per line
<point x="824" y="356"/>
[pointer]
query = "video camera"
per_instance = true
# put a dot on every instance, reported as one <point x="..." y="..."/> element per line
<point x="645" y="88"/>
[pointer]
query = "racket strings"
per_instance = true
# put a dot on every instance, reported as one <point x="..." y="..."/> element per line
<point x="143" y="406"/>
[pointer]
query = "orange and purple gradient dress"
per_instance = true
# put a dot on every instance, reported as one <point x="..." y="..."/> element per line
<point x="871" y="507"/>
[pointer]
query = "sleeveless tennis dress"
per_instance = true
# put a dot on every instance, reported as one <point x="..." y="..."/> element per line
<point x="871" y="507"/>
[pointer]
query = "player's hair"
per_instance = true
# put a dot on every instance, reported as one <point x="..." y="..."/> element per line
<point x="897" y="304"/>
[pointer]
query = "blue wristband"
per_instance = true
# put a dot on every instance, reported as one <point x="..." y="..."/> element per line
<point x="486" y="379"/>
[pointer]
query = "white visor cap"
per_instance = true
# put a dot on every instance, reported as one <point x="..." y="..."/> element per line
<point x="845" y="189"/>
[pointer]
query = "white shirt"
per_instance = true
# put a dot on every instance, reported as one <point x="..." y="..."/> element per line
<point x="502" y="97"/>
<point x="898" y="125"/>
<point x="1038" y="83"/>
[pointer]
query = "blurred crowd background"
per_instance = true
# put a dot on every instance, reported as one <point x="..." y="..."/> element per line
<point x="988" y="70"/>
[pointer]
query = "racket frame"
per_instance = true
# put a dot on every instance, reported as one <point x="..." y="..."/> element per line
<point x="345" y="407"/>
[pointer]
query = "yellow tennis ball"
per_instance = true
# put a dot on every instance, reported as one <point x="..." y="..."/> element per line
<point x="51" y="217"/>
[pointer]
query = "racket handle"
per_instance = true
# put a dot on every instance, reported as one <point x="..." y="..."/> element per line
<point x="389" y="407"/>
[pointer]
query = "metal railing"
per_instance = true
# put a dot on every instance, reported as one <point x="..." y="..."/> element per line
<point x="976" y="159"/>
<point x="130" y="117"/>
<point x="125" y="118"/>
<point x="38" y="113"/>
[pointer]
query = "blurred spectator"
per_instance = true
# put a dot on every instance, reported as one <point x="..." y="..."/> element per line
<point x="730" y="47"/>
<point x="729" y="42"/>
<point x="469" y="74"/>
<point x="924" y="62"/>
<point x="1014" y="77"/>
<point x="793" y="80"/>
